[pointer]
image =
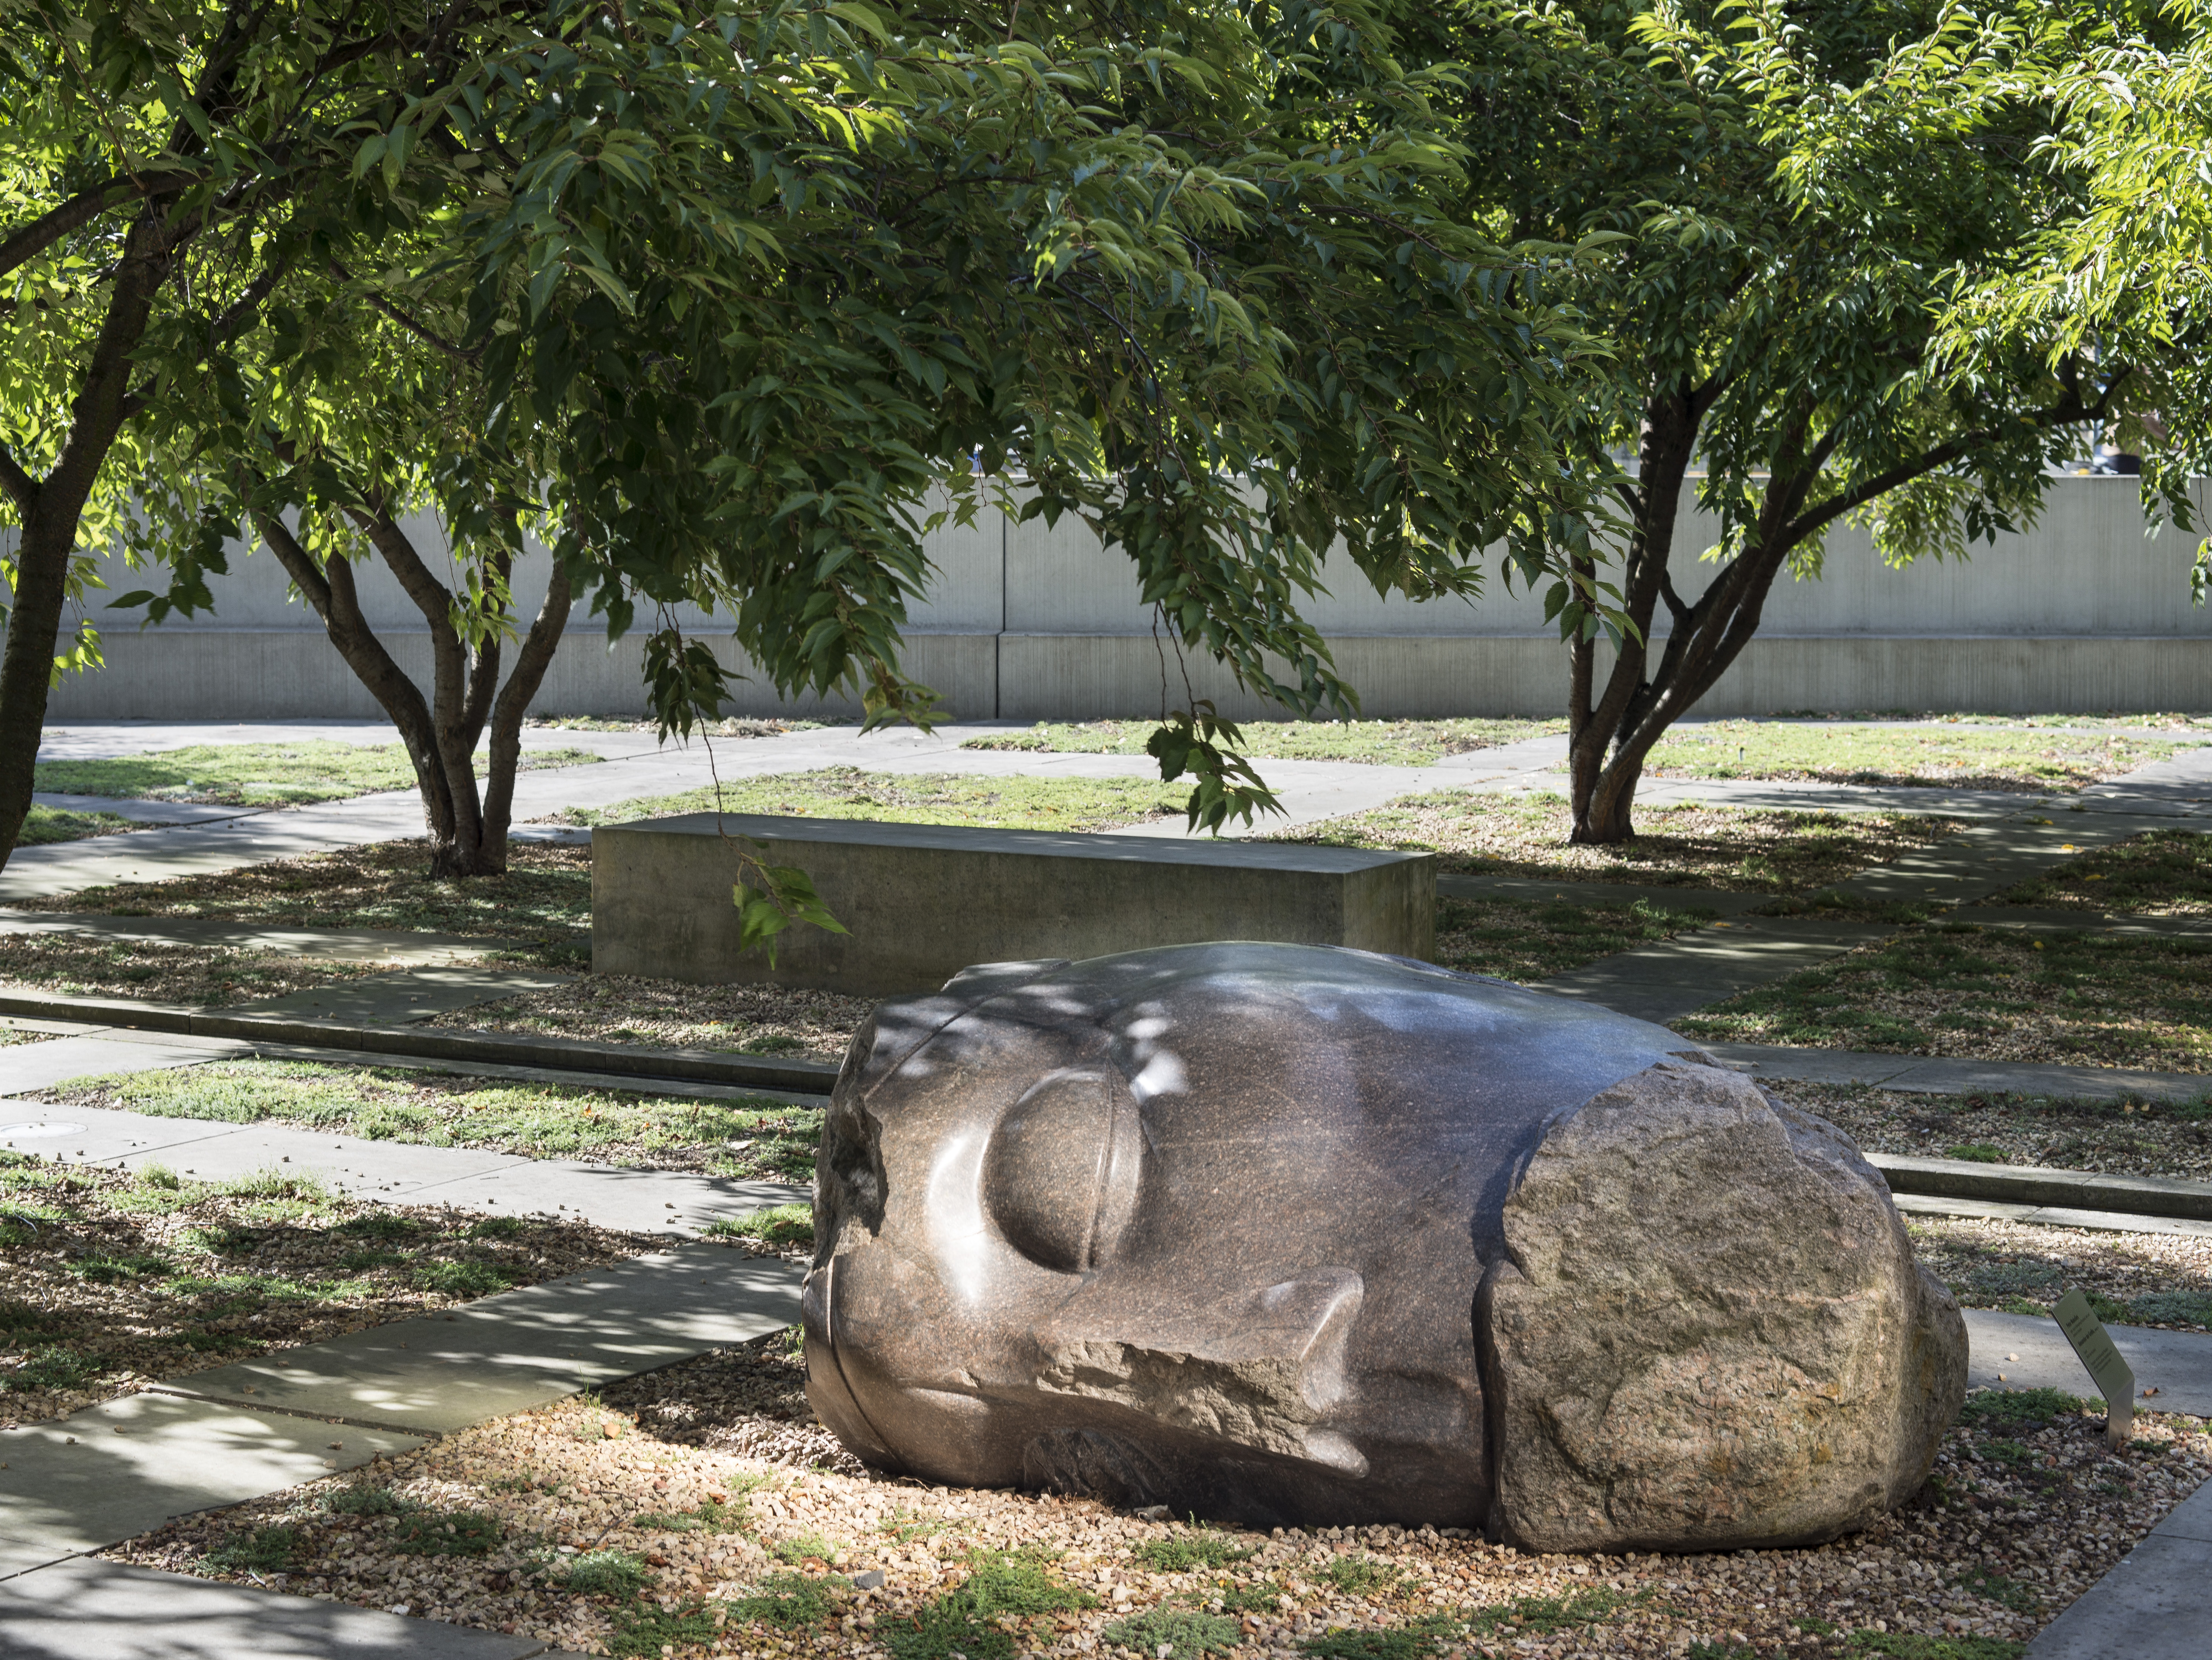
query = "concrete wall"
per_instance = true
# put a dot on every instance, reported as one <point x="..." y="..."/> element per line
<point x="1026" y="623"/>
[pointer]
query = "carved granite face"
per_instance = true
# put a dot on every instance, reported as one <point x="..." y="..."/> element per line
<point x="1201" y="1226"/>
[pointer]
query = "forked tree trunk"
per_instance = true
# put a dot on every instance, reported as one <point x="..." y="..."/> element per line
<point x="467" y="831"/>
<point x="1612" y="731"/>
<point x="50" y="510"/>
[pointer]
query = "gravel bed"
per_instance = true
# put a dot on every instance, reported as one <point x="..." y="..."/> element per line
<point x="676" y="1014"/>
<point x="1742" y="849"/>
<point x="755" y="1138"/>
<point x="542" y="907"/>
<point x="2109" y="1138"/>
<point x="1963" y="991"/>
<point x="75" y="965"/>
<point x="111" y="1280"/>
<point x="2162" y="1279"/>
<point x="632" y="1525"/>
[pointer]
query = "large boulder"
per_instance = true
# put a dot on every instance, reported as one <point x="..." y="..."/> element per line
<point x="1709" y="1330"/>
<point x="1288" y="1234"/>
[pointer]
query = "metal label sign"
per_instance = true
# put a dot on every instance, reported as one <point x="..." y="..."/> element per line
<point x="2115" y="1381"/>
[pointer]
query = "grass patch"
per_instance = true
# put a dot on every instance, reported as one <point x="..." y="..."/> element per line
<point x="159" y="971"/>
<point x="1413" y="1641"/>
<point x="43" y="826"/>
<point x="462" y="1279"/>
<point x="735" y="1020"/>
<point x="987" y="803"/>
<point x="2161" y="872"/>
<point x="1908" y="1646"/>
<point x="1007" y="1585"/>
<point x="1987" y="1407"/>
<point x="1754" y="850"/>
<point x="779" y="1225"/>
<point x="423" y="1532"/>
<point x="256" y="775"/>
<point x="54" y="1366"/>
<point x="602" y="1573"/>
<point x="105" y="1270"/>
<point x="1940" y="756"/>
<point x="259" y="1550"/>
<point x="542" y="907"/>
<point x="1523" y="940"/>
<point x="1175" y="1633"/>
<point x="1357" y="1576"/>
<point x="1179" y="1553"/>
<point x="1539" y="1616"/>
<point x="429" y="1110"/>
<point x="712" y="1517"/>
<point x="2070" y="999"/>
<point x="645" y="1632"/>
<point x="787" y="1600"/>
<point x="1398" y="743"/>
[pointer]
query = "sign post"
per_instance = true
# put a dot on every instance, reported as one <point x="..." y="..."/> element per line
<point x="2093" y="1345"/>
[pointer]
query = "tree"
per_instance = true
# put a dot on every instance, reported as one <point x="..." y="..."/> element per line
<point x="714" y="295"/>
<point x="1800" y="196"/>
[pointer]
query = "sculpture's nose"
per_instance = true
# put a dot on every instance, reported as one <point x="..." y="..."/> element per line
<point x="1266" y="1370"/>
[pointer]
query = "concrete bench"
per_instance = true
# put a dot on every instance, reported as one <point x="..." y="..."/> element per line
<point x="925" y="901"/>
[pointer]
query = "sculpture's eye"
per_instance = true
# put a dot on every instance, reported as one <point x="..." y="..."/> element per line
<point x="1061" y="1177"/>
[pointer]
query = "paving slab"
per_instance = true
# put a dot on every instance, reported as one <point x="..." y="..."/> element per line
<point x="1669" y="978"/>
<point x="398" y="998"/>
<point x="128" y="1465"/>
<point x="2057" y="1216"/>
<point x="519" y="1349"/>
<point x="1932" y="1076"/>
<point x="2028" y="1352"/>
<point x="89" y="1609"/>
<point x="142" y="811"/>
<point x="26" y="1067"/>
<point x="2155" y="1604"/>
<point x="395" y="946"/>
<point x="475" y="1178"/>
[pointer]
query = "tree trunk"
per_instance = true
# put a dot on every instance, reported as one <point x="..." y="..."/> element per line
<point x="1639" y="704"/>
<point x="49" y="511"/>
<point x="467" y="834"/>
<point x="1602" y="792"/>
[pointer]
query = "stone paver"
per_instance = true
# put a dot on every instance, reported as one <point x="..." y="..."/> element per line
<point x="28" y="1067"/>
<point x="2155" y="1604"/>
<point x="395" y="947"/>
<point x="1668" y="978"/>
<point x="2054" y="1216"/>
<point x="89" y="1609"/>
<point x="1933" y="1075"/>
<point x="2028" y="1352"/>
<point x="392" y="1172"/>
<point x="519" y="1349"/>
<point x="123" y="1467"/>
<point x="141" y="812"/>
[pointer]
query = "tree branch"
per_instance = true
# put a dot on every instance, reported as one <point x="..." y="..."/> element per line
<point x="50" y="227"/>
<point x="22" y="489"/>
<point x="420" y="332"/>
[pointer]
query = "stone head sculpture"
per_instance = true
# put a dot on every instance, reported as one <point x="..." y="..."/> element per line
<point x="1285" y="1234"/>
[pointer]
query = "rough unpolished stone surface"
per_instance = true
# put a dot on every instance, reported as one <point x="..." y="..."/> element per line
<point x="1710" y="1332"/>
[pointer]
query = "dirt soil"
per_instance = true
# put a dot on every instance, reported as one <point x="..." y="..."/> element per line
<point x="542" y="906"/>
<point x="678" y="1518"/>
<point x="613" y="1008"/>
<point x="2111" y="1138"/>
<point x="1961" y="990"/>
<point x="77" y="965"/>
<point x="1743" y="849"/>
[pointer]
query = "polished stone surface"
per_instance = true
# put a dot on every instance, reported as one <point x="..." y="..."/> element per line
<point x="1201" y="1225"/>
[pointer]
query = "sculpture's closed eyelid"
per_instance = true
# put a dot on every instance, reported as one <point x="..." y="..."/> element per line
<point x="1060" y="1179"/>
